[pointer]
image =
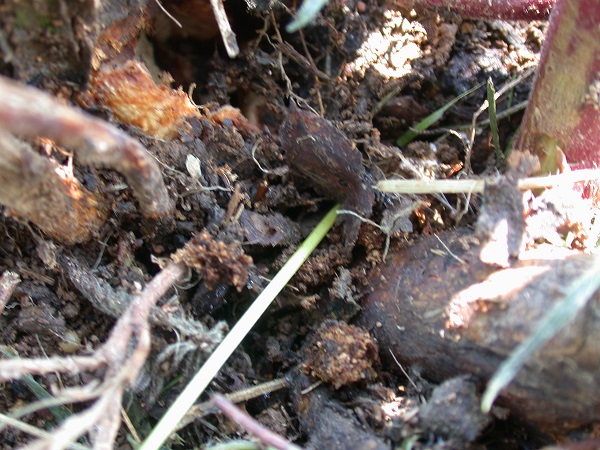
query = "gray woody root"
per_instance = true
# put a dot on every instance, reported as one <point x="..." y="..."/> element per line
<point x="30" y="113"/>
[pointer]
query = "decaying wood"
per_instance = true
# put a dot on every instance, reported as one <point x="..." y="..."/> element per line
<point x="37" y="189"/>
<point x="133" y="97"/>
<point x="31" y="113"/>
<point x="450" y="314"/>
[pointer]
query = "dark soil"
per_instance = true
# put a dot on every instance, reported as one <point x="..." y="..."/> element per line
<point x="356" y="79"/>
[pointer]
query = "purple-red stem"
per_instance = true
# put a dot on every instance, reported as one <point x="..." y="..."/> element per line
<point x="564" y="107"/>
<point x="244" y="420"/>
<point x="490" y="9"/>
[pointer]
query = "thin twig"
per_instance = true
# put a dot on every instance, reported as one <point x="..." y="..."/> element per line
<point x="206" y="408"/>
<point x="303" y="61"/>
<point x="311" y="388"/>
<point x="478" y="186"/>
<point x="410" y="380"/>
<point x="460" y="260"/>
<point x="315" y="77"/>
<point x="130" y="426"/>
<point x="289" y="90"/>
<point x="227" y="33"/>
<point x="169" y="15"/>
<point x="254" y="147"/>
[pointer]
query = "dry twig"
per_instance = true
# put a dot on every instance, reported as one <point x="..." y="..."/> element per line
<point x="227" y="33"/>
<point x="205" y="408"/>
<point x="452" y="186"/>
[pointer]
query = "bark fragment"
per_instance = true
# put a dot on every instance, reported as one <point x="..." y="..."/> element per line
<point x="133" y="97"/>
<point x="37" y="189"/>
<point x="324" y="156"/>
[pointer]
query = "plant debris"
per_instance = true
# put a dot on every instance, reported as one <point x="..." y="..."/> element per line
<point x="325" y="156"/>
<point x="456" y="315"/>
<point x="340" y="354"/>
<point x="154" y="186"/>
<point x="215" y="261"/>
<point x="133" y="97"/>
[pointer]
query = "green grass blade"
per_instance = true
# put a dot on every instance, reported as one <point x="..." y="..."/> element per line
<point x="168" y="423"/>
<point x="307" y="13"/>
<point x="432" y="118"/>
